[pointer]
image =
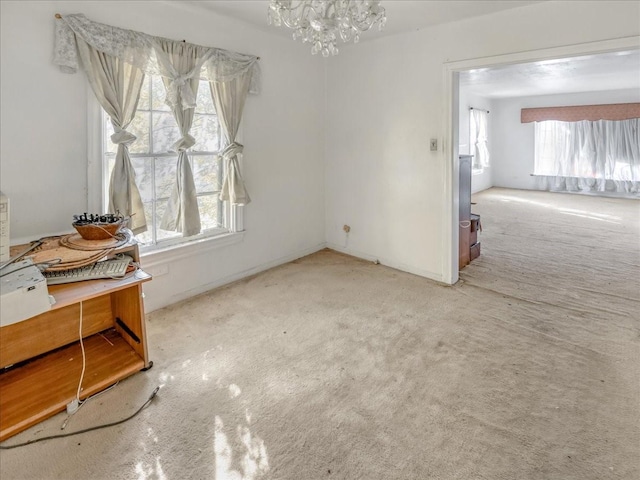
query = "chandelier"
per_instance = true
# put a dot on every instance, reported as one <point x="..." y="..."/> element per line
<point x="320" y="22"/>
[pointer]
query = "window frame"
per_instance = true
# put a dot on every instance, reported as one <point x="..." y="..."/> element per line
<point x="97" y="194"/>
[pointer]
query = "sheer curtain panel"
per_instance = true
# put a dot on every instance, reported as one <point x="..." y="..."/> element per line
<point x="117" y="85"/>
<point x="601" y="155"/>
<point x="229" y="97"/>
<point x="183" y="64"/>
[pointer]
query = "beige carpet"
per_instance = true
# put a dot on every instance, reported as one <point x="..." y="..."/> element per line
<point x="332" y="367"/>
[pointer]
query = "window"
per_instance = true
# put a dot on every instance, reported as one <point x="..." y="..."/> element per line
<point x="550" y="138"/>
<point x="598" y="150"/>
<point x="156" y="131"/>
<point x="478" y="132"/>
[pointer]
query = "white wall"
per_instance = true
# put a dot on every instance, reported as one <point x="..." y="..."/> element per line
<point x="480" y="180"/>
<point x="384" y="102"/>
<point x="43" y="145"/>
<point x="368" y="136"/>
<point x="513" y="142"/>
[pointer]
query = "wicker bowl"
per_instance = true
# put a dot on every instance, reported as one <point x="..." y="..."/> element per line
<point x="98" y="231"/>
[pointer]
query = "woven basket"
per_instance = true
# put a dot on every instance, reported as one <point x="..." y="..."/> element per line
<point x="98" y="231"/>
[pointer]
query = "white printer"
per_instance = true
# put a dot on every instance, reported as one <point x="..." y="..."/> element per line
<point x="23" y="292"/>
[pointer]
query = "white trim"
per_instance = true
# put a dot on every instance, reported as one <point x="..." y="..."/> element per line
<point x="150" y="306"/>
<point x="236" y="223"/>
<point x="95" y="185"/>
<point x="178" y="240"/>
<point x="589" y="48"/>
<point x="450" y="147"/>
<point x="387" y="262"/>
<point x="451" y="173"/>
<point x="173" y="253"/>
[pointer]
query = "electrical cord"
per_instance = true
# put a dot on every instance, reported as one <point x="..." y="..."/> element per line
<point x="16" y="270"/>
<point x="40" y="266"/>
<point x="70" y="415"/>
<point x="34" y="244"/>
<point x="90" y="429"/>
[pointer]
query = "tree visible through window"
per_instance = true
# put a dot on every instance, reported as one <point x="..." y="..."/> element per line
<point x="155" y="166"/>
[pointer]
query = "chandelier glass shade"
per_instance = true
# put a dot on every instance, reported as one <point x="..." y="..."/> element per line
<point x="322" y="22"/>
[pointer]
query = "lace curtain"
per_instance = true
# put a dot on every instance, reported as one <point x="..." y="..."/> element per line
<point x="145" y="52"/>
<point x="160" y="56"/>
<point x="601" y="155"/>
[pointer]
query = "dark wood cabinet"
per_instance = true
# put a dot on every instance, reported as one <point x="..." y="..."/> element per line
<point x="464" y="243"/>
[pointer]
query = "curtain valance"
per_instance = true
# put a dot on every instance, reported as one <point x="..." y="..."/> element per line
<point x="146" y="53"/>
<point x="613" y="111"/>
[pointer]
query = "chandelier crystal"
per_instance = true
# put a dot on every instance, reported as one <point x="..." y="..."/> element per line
<point x="321" y="22"/>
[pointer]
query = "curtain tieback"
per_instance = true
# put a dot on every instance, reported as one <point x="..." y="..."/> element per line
<point x="231" y="150"/>
<point x="184" y="144"/>
<point x="123" y="137"/>
<point x="181" y="93"/>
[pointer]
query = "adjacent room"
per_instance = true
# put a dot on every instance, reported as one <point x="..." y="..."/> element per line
<point x="516" y="121"/>
<point x="276" y="240"/>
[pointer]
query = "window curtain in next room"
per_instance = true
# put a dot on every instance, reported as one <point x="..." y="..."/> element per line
<point x="479" y="138"/>
<point x="181" y="65"/>
<point x="602" y="155"/>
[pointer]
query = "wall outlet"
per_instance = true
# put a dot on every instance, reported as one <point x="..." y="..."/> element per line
<point x="433" y="144"/>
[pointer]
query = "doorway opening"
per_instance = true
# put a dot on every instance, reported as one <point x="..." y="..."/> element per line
<point x="481" y="83"/>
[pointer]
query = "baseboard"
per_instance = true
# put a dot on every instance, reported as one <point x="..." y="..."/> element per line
<point x="150" y="306"/>
<point x="438" y="277"/>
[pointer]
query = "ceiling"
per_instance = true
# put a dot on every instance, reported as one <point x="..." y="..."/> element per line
<point x="589" y="73"/>
<point x="611" y="71"/>
<point x="402" y="15"/>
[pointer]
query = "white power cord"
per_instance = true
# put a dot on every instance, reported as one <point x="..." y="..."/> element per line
<point x="90" y="429"/>
<point x="74" y="405"/>
<point x="70" y="415"/>
<point x="84" y="358"/>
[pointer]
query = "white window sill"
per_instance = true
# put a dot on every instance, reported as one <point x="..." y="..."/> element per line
<point x="180" y="251"/>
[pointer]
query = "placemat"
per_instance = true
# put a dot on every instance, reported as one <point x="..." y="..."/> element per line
<point x="76" y="242"/>
<point x="60" y="257"/>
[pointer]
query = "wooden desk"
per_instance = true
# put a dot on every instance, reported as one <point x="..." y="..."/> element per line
<point x="42" y="357"/>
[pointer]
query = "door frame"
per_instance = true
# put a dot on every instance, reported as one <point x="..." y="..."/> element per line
<point x="451" y="75"/>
